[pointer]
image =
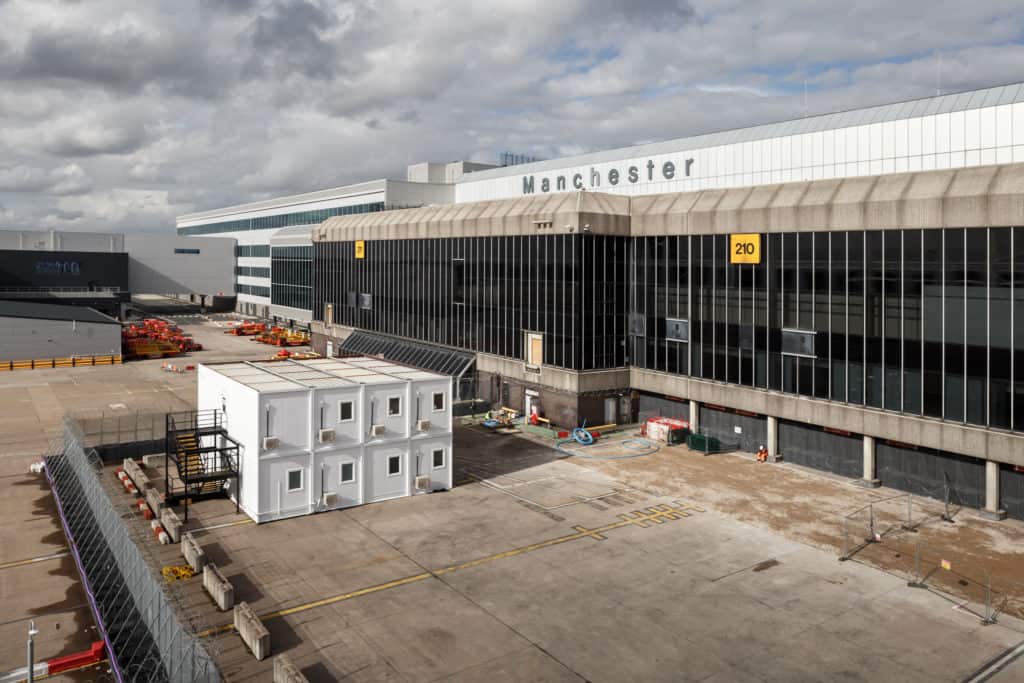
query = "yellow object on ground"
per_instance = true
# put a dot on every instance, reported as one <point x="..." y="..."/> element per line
<point x="173" y="573"/>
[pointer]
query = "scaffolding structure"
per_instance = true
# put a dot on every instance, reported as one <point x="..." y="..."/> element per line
<point x="204" y="456"/>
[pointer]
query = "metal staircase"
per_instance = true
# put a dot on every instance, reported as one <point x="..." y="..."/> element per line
<point x="204" y="457"/>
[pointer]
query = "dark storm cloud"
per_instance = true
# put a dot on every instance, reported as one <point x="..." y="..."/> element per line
<point x="662" y="15"/>
<point x="91" y="139"/>
<point x="288" y="38"/>
<point x="120" y="60"/>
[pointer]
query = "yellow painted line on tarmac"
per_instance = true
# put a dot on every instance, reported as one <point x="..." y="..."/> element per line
<point x="33" y="560"/>
<point x="225" y="525"/>
<point x="640" y="518"/>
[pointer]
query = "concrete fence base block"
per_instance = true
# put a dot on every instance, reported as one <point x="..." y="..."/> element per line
<point x="219" y="588"/>
<point x="867" y="483"/>
<point x="254" y="634"/>
<point x="155" y="500"/>
<point x="172" y="523"/>
<point x="285" y="671"/>
<point x="135" y="473"/>
<point x="192" y="552"/>
<point x="153" y="460"/>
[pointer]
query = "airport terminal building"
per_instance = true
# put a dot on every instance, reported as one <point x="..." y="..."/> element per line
<point x="846" y="289"/>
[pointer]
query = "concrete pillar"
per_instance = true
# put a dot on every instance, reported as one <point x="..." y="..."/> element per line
<point x="773" y="439"/>
<point x="868" y="480"/>
<point x="695" y="417"/>
<point x="992" y="510"/>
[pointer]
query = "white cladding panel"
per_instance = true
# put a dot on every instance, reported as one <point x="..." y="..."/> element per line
<point x="346" y="431"/>
<point x="942" y="140"/>
<point x="239" y="406"/>
<point x="380" y="481"/>
<point x="285" y="417"/>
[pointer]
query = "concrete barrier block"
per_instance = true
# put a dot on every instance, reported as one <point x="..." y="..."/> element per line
<point x="135" y="473"/>
<point x="171" y="523"/>
<point x="153" y="460"/>
<point x="155" y="500"/>
<point x="219" y="588"/>
<point x="254" y="634"/>
<point x="192" y="552"/>
<point x="285" y="671"/>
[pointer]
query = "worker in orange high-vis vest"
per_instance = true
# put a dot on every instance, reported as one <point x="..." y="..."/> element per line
<point x="762" y="454"/>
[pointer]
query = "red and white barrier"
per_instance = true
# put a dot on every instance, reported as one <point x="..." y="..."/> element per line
<point x="52" y="667"/>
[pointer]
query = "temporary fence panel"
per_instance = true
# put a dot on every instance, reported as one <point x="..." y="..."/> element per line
<point x="749" y="431"/>
<point x="812" y="446"/>
<point x="927" y="472"/>
<point x="1011" y="490"/>
<point x="656" y="406"/>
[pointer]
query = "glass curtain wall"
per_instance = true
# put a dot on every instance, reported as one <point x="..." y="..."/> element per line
<point x="924" y="322"/>
<point x="483" y="294"/>
<point x="291" y="277"/>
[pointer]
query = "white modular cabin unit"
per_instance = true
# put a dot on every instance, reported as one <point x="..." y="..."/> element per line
<point x="331" y="433"/>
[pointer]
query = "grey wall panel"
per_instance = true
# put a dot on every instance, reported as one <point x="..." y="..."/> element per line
<point x="24" y="339"/>
<point x="656" y="406"/>
<point x="1011" y="491"/>
<point x="155" y="268"/>
<point x="722" y="424"/>
<point x="814" y="447"/>
<point x="923" y="471"/>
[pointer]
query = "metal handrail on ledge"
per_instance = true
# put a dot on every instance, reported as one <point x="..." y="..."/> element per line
<point x="6" y="290"/>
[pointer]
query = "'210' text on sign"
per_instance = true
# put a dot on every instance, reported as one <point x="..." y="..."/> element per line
<point x="745" y="248"/>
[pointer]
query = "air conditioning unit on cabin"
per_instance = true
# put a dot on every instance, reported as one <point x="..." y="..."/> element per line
<point x="270" y="442"/>
<point x="423" y="425"/>
<point x="330" y="499"/>
<point x="326" y="435"/>
<point x="422" y="483"/>
<point x="376" y="430"/>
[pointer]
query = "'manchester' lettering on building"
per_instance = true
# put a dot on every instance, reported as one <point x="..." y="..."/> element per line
<point x="666" y="171"/>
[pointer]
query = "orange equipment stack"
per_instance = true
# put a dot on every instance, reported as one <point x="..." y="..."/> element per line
<point x="156" y="338"/>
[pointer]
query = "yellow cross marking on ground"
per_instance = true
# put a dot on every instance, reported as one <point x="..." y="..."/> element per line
<point x="641" y="518"/>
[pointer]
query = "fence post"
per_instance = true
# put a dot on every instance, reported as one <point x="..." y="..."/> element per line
<point x="917" y="582"/>
<point x="946" y="517"/>
<point x="846" y="542"/>
<point x="989" y="617"/>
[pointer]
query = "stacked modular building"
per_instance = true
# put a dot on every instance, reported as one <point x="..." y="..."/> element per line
<point x="331" y="433"/>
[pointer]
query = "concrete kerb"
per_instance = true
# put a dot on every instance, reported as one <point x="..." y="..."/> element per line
<point x="219" y="588"/>
<point x="254" y="634"/>
<point x="192" y="552"/>
<point x="285" y="671"/>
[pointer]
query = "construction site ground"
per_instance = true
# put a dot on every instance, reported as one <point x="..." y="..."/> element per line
<point x="38" y="578"/>
<point x="671" y="566"/>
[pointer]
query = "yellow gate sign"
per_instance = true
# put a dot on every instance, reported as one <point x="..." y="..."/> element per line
<point x="360" y="249"/>
<point x="745" y="248"/>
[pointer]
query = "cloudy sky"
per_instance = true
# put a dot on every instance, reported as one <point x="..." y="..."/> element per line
<point x="121" y="114"/>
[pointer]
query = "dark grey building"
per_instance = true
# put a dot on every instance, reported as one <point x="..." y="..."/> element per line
<point x="85" y="278"/>
<point x="34" y="331"/>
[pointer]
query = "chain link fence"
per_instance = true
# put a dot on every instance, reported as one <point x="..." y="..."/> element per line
<point x="134" y="609"/>
<point x="886" y="532"/>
